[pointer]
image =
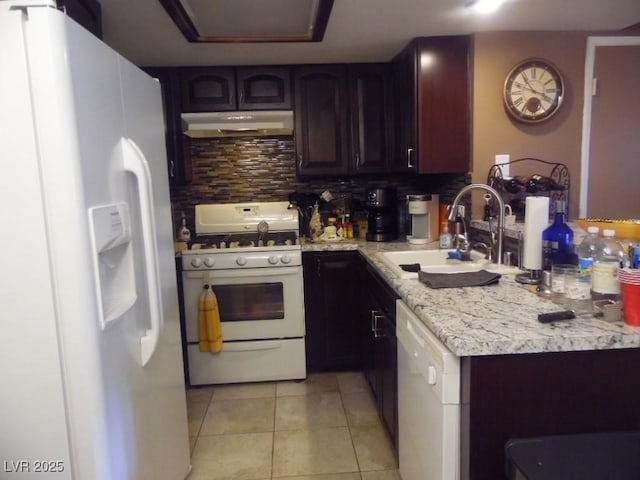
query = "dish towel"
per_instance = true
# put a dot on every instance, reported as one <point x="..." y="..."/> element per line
<point x="452" y="280"/>
<point x="209" y="326"/>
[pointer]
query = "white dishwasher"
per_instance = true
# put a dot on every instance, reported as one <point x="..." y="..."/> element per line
<point x="428" y="402"/>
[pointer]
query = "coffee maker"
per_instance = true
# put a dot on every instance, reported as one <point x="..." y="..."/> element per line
<point x="422" y="218"/>
<point x="382" y="219"/>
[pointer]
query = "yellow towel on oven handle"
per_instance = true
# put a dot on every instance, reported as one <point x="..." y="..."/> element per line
<point x="209" y="326"/>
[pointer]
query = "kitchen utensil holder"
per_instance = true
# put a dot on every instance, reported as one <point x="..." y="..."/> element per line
<point x="558" y="172"/>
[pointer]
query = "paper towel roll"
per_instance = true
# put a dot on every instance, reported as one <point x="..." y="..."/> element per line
<point x="536" y="220"/>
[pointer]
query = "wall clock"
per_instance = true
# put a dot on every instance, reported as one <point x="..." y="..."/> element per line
<point x="533" y="91"/>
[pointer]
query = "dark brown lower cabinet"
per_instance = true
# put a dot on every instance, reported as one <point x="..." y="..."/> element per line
<point x="331" y="296"/>
<point x="350" y="325"/>
<point x="380" y="350"/>
<point x="531" y="395"/>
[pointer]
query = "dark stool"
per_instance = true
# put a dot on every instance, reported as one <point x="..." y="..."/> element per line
<point x="597" y="456"/>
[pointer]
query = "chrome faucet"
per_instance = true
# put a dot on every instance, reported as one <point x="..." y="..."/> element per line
<point x="453" y="211"/>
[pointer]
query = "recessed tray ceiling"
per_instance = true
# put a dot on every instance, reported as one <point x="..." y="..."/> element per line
<point x="250" y="20"/>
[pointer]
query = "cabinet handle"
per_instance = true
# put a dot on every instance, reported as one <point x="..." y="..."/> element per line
<point x="172" y="169"/>
<point x="357" y="160"/>
<point x="299" y="160"/>
<point x="409" y="157"/>
<point x="375" y="316"/>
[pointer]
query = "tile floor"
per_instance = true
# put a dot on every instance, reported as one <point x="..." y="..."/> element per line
<point x="325" y="428"/>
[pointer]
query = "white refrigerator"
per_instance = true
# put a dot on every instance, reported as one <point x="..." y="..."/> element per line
<point x="90" y="351"/>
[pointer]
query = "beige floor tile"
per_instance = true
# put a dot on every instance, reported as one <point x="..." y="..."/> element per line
<point x="308" y="452"/>
<point x="232" y="457"/>
<point x="245" y="390"/>
<point x="373" y="448"/>
<point x="329" y="476"/>
<point x="350" y="382"/>
<point x="310" y="411"/>
<point x="314" y="383"/>
<point x="360" y="408"/>
<point x="382" y="475"/>
<point x="241" y="415"/>
<point x="195" y="415"/>
<point x="199" y="395"/>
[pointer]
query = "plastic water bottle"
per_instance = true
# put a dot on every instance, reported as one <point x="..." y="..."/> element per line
<point x="587" y="251"/>
<point x="577" y="294"/>
<point x="557" y="240"/>
<point x="609" y="258"/>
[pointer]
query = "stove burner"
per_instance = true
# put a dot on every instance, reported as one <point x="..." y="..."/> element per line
<point x="243" y="240"/>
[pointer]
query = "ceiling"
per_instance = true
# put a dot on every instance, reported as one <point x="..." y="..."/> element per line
<point x="358" y="30"/>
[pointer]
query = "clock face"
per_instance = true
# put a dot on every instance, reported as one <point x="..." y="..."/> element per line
<point x="533" y="91"/>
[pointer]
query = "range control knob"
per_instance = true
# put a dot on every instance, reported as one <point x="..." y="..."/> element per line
<point x="196" y="262"/>
<point x="241" y="261"/>
<point x="273" y="259"/>
<point x="285" y="259"/>
<point x="209" y="262"/>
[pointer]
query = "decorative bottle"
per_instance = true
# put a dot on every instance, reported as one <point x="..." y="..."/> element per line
<point x="557" y="240"/>
<point x="184" y="234"/>
<point x="315" y="224"/>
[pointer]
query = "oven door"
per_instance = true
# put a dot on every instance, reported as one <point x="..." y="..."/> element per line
<point x="257" y="303"/>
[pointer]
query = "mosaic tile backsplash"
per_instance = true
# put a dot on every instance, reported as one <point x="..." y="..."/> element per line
<point x="263" y="169"/>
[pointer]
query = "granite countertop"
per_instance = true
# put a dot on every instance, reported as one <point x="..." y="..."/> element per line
<point x="494" y="320"/>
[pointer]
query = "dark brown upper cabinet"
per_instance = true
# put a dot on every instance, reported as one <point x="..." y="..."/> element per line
<point x="321" y="116"/>
<point x="342" y="119"/>
<point x="87" y="13"/>
<point x="178" y="161"/>
<point x="208" y="89"/>
<point x="370" y="106"/>
<point x="433" y="105"/>
<point x="215" y="89"/>
<point x="263" y="88"/>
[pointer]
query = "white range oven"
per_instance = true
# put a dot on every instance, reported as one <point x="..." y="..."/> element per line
<point x="250" y="255"/>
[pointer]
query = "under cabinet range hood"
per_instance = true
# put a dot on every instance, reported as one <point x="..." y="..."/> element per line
<point x="238" y="123"/>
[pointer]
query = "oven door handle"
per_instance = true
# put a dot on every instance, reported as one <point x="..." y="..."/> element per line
<point x="251" y="346"/>
<point x="221" y="275"/>
<point x="136" y="163"/>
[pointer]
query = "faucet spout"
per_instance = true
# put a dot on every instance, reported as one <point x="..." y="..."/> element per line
<point x="494" y="193"/>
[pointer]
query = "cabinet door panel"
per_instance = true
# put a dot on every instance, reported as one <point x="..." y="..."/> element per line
<point x="444" y="105"/>
<point x="264" y="88"/>
<point x="178" y="157"/>
<point x="331" y="291"/>
<point x="405" y="77"/>
<point x="387" y="352"/>
<point x="321" y="120"/>
<point x="433" y="105"/>
<point x="208" y="89"/>
<point x="370" y="135"/>
<point x="380" y="348"/>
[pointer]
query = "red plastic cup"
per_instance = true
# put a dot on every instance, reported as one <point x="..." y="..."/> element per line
<point x="631" y="303"/>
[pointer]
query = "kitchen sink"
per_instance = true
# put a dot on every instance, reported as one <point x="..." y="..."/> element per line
<point x="435" y="261"/>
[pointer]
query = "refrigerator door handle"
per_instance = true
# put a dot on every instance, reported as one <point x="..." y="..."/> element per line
<point x="135" y="163"/>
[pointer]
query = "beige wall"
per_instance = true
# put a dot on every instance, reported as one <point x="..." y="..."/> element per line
<point x="494" y="132"/>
